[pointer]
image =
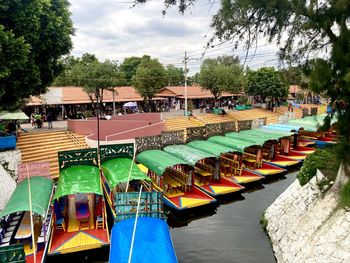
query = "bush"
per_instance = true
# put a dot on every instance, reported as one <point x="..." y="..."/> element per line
<point x="263" y="222"/>
<point x="323" y="159"/>
<point x="345" y="195"/>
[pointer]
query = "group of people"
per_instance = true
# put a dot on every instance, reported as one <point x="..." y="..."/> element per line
<point x="12" y="127"/>
<point x="37" y="120"/>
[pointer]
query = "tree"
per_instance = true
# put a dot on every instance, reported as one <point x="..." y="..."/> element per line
<point x="266" y="82"/>
<point x="34" y="35"/>
<point x="217" y="76"/>
<point x="293" y="75"/>
<point x="149" y="78"/>
<point x="174" y="76"/>
<point x="129" y="67"/>
<point x="90" y="74"/>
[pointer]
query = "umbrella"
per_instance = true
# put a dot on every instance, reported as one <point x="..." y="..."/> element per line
<point x="14" y="115"/>
<point x="130" y="104"/>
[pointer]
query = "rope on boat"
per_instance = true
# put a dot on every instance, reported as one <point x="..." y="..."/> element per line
<point x="134" y="230"/>
<point x="132" y="163"/>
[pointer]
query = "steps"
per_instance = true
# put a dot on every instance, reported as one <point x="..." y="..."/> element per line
<point x="182" y="123"/>
<point x="43" y="146"/>
<point x="214" y="118"/>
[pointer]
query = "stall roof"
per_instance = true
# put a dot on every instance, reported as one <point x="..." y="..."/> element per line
<point x="79" y="179"/>
<point x="13" y="115"/>
<point x="235" y="144"/>
<point x="41" y="189"/>
<point x="187" y="153"/>
<point x="117" y="170"/>
<point x="158" y="160"/>
<point x="209" y="147"/>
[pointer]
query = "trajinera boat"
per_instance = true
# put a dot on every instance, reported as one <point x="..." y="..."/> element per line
<point x="16" y="237"/>
<point x="80" y="219"/>
<point x="249" y="154"/>
<point x="275" y="148"/>
<point x="122" y="181"/>
<point x="174" y="177"/>
<point x="207" y="170"/>
<point x="230" y="169"/>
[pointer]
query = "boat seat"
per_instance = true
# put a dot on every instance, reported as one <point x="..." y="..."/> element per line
<point x="16" y="218"/>
<point x="202" y="172"/>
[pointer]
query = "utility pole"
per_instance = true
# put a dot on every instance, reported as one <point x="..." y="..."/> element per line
<point x="186" y="108"/>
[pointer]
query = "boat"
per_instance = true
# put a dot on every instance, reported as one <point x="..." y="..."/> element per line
<point x="80" y="219"/>
<point x="16" y="236"/>
<point x="231" y="169"/>
<point x="122" y="180"/>
<point x="207" y="170"/>
<point x="272" y="150"/>
<point x="152" y="241"/>
<point x="174" y="177"/>
<point x="118" y="170"/>
<point x="250" y="154"/>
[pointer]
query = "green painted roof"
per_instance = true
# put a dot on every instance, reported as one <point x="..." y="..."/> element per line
<point x="234" y="144"/>
<point x="157" y="160"/>
<point x="41" y="189"/>
<point x="246" y="137"/>
<point x="79" y="179"/>
<point x="117" y="170"/>
<point x="264" y="134"/>
<point x="187" y="153"/>
<point x="209" y="147"/>
<point x="273" y="132"/>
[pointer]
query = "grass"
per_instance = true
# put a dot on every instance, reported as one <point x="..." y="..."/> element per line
<point x="345" y="195"/>
<point x="263" y="222"/>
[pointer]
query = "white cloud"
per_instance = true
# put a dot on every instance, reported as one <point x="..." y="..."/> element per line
<point x="113" y="29"/>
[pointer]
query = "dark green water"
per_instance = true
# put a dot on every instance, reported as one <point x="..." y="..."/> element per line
<point x="229" y="233"/>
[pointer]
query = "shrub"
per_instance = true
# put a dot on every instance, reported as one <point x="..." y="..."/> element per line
<point x="263" y="222"/>
<point x="345" y="195"/>
<point x="323" y="159"/>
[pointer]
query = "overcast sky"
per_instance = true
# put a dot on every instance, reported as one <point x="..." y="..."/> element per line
<point x="113" y="29"/>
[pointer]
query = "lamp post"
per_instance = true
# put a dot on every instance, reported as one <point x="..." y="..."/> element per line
<point x="186" y="106"/>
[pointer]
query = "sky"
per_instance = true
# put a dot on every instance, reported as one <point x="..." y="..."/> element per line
<point x="114" y="30"/>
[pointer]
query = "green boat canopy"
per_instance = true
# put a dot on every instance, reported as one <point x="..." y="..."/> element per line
<point x="234" y="144"/>
<point x="117" y="170"/>
<point x="41" y="189"/>
<point x="157" y="160"/>
<point x="272" y="132"/>
<point x="246" y="137"/>
<point x="265" y="135"/>
<point x="78" y="179"/>
<point x="209" y="147"/>
<point x="187" y="153"/>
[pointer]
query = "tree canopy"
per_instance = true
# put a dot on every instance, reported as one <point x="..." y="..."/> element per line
<point x="90" y="74"/>
<point x="129" y="67"/>
<point x="220" y="75"/>
<point x="149" y="78"/>
<point x="33" y="36"/>
<point x="266" y="82"/>
<point x="174" y="76"/>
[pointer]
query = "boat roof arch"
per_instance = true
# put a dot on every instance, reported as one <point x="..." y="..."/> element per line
<point x="235" y="144"/>
<point x="187" y="153"/>
<point x="41" y="190"/>
<point x="158" y="160"/>
<point x="209" y="147"/>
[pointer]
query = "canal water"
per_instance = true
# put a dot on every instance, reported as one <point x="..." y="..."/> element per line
<point x="230" y="232"/>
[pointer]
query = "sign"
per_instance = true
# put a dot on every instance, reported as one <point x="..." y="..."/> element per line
<point x="32" y="169"/>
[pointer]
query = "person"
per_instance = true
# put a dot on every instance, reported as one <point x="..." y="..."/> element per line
<point x="32" y="119"/>
<point x="2" y="126"/>
<point x="12" y="128"/>
<point x="38" y="120"/>
<point x="49" y="118"/>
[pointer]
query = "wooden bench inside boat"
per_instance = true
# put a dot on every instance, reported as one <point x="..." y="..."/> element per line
<point x="235" y="168"/>
<point x="179" y="177"/>
<point x="250" y="159"/>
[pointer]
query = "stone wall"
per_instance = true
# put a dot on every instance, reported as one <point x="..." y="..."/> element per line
<point x="8" y="173"/>
<point x="305" y="225"/>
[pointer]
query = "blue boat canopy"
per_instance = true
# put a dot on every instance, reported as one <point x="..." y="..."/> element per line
<point x="152" y="242"/>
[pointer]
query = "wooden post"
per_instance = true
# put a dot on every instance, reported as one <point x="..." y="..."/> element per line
<point x="132" y="163"/>
<point x="31" y="215"/>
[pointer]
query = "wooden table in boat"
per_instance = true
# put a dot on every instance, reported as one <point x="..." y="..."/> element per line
<point x="24" y="230"/>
